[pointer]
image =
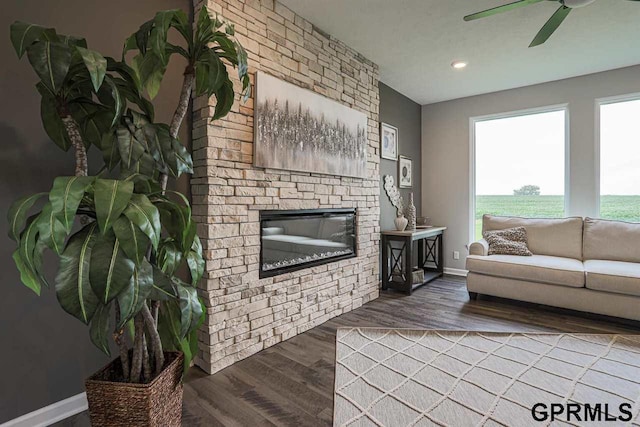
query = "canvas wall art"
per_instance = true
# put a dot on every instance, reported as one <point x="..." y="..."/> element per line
<point x="300" y="130"/>
<point x="405" y="172"/>
<point x="388" y="141"/>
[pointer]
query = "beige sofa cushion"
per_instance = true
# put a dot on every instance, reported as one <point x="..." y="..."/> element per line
<point x="536" y="268"/>
<point x="611" y="240"/>
<point x="613" y="276"/>
<point x="555" y="237"/>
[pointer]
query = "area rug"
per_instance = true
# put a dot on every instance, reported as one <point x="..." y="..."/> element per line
<point x="399" y="377"/>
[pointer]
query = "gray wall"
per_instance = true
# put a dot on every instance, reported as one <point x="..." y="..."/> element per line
<point x="46" y="354"/>
<point x="445" y="146"/>
<point x="399" y="111"/>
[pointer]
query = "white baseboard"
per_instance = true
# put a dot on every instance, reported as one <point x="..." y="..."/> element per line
<point x="455" y="271"/>
<point x="51" y="414"/>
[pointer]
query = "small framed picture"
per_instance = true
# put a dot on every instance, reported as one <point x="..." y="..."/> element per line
<point x="405" y="172"/>
<point x="388" y="142"/>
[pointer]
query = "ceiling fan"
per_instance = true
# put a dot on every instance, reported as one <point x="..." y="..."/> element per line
<point x="547" y="29"/>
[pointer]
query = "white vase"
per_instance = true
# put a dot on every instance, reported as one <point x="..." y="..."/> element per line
<point x="401" y="222"/>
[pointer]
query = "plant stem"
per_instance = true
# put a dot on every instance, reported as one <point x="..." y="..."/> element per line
<point x="146" y="366"/>
<point x="118" y="337"/>
<point x="151" y="320"/>
<point x="73" y="131"/>
<point x="138" y="341"/>
<point x="154" y="336"/>
<point x="183" y="104"/>
<point x="155" y="309"/>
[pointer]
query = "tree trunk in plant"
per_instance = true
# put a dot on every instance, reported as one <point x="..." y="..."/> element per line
<point x="146" y="366"/>
<point x="136" y="360"/>
<point x="183" y="104"/>
<point x="118" y="337"/>
<point x="73" y="131"/>
<point x="156" y="343"/>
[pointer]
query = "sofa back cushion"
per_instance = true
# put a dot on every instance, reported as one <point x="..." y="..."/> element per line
<point x="555" y="237"/>
<point x="611" y="240"/>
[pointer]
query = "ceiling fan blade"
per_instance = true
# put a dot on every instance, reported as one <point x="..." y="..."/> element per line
<point x="552" y="24"/>
<point x="501" y="9"/>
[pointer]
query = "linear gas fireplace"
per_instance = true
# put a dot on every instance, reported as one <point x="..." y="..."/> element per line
<point x="293" y="240"/>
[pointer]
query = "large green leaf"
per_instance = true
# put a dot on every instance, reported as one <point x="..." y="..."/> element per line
<point x="129" y="86"/>
<point x="134" y="242"/>
<point x="50" y="60"/>
<point x="51" y="230"/>
<point x="190" y="309"/>
<point x="211" y="73"/>
<point x="110" y="270"/>
<point x="28" y="256"/>
<point x="189" y="345"/>
<point x="110" y="152"/>
<point x="169" y="326"/>
<point x="130" y="147"/>
<point x="23" y="35"/>
<point x="111" y="199"/>
<point x="182" y="162"/>
<point x="73" y="287"/>
<point x="176" y="219"/>
<point x="51" y="119"/>
<point x="224" y="97"/>
<point x="169" y="152"/>
<point x="94" y="120"/>
<point x="17" y="214"/>
<point x="100" y="330"/>
<point x="150" y="70"/>
<point x="66" y="195"/>
<point x="195" y="261"/>
<point x="116" y="101"/>
<point x="145" y="216"/>
<point x="158" y="34"/>
<point x="163" y="289"/>
<point x="133" y="297"/>
<point x="169" y="256"/>
<point x="96" y="65"/>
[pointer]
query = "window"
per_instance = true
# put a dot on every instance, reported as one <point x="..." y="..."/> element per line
<point x="620" y="160"/>
<point x="519" y="166"/>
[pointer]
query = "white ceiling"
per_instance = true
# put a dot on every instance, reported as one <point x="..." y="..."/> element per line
<point x="415" y="41"/>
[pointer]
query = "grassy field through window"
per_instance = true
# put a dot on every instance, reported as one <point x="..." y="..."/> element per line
<point x="624" y="208"/>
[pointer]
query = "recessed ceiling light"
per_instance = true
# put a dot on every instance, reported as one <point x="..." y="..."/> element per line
<point x="458" y="65"/>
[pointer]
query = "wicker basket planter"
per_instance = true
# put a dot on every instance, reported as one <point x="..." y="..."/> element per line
<point x="158" y="403"/>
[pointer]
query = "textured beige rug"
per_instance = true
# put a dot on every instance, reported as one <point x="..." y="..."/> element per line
<point x="396" y="377"/>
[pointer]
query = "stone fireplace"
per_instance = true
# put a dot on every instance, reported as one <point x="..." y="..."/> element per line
<point x="248" y="308"/>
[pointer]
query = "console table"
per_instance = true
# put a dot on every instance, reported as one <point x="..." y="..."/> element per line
<point x="397" y="257"/>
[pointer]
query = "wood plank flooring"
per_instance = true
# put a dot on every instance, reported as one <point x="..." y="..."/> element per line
<point x="291" y="384"/>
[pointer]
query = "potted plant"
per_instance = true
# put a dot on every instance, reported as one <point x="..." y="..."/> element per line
<point x="120" y="235"/>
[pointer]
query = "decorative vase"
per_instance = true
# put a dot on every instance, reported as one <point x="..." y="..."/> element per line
<point x="154" y="404"/>
<point x="411" y="214"/>
<point x="401" y="222"/>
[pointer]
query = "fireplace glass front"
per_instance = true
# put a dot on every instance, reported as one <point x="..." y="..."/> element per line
<point x="292" y="240"/>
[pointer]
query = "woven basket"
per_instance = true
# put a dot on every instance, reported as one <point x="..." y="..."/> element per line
<point x="158" y="403"/>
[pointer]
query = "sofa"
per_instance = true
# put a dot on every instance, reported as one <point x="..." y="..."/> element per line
<point x="590" y="265"/>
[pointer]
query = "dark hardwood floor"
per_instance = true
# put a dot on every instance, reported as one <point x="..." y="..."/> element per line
<point x="291" y="384"/>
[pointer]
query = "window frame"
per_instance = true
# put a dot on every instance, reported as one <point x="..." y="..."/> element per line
<point x="510" y="114"/>
<point x="599" y="102"/>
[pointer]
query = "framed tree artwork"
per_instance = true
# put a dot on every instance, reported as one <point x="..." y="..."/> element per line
<point x="388" y="142"/>
<point x="297" y="129"/>
<point x="405" y="172"/>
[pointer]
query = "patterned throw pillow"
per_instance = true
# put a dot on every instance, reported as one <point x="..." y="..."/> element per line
<point x="511" y="241"/>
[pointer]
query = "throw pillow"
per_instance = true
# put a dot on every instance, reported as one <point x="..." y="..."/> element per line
<point x="511" y="241"/>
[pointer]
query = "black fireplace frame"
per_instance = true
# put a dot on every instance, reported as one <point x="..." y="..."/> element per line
<point x="270" y="215"/>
